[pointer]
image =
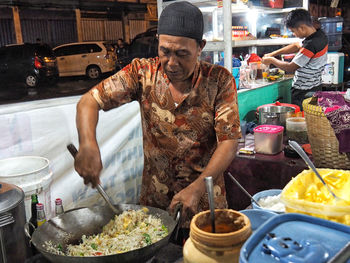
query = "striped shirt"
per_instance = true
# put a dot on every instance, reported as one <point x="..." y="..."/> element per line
<point x="311" y="58"/>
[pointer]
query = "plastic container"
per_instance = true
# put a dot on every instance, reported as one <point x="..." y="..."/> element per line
<point x="33" y="175"/>
<point x="333" y="72"/>
<point x="306" y="194"/>
<point x="295" y="238"/>
<point x="268" y="139"/>
<point x="232" y="230"/>
<point x="235" y="74"/>
<point x="272" y="193"/>
<point x="273" y="3"/>
<point x="296" y="129"/>
<point x="333" y="28"/>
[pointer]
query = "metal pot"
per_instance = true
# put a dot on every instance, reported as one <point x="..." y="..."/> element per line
<point x="69" y="227"/>
<point x="276" y="115"/>
<point x="13" y="244"/>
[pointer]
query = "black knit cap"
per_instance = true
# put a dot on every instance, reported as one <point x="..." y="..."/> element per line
<point x="181" y="19"/>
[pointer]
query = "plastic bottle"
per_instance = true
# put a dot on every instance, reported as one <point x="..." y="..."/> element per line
<point x="41" y="217"/>
<point x="58" y="206"/>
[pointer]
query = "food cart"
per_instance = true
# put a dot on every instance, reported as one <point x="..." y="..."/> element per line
<point x="255" y="172"/>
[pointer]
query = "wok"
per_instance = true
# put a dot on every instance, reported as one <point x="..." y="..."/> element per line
<point x="69" y="227"/>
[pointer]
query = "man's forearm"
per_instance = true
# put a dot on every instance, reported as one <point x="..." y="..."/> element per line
<point x="221" y="159"/>
<point x="87" y="118"/>
<point x="284" y="65"/>
<point x="291" y="48"/>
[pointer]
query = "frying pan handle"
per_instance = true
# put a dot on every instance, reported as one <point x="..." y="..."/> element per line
<point x="177" y="214"/>
<point x="71" y="148"/>
<point x="177" y="218"/>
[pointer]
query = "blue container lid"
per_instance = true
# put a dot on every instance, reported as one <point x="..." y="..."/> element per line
<point x="295" y="238"/>
<point x="257" y="217"/>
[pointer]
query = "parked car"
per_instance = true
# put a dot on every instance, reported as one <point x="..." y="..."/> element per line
<point x="27" y="63"/>
<point x="85" y="58"/>
<point x="144" y="45"/>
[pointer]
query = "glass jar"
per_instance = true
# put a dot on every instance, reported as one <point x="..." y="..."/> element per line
<point x="232" y="230"/>
<point x="297" y="129"/>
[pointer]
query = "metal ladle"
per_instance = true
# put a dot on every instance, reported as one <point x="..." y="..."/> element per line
<point x="209" y="185"/>
<point x="243" y="189"/>
<point x="307" y="160"/>
<point x="73" y="151"/>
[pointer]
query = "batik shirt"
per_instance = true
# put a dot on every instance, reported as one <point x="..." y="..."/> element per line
<point x="311" y="59"/>
<point x="178" y="140"/>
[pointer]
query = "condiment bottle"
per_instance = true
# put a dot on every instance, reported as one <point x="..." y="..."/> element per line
<point x="33" y="221"/>
<point x="58" y="206"/>
<point x="41" y="217"/>
<point x="232" y="230"/>
<point x="33" y="217"/>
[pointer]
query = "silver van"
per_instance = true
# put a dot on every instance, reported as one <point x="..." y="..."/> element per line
<point x="85" y="58"/>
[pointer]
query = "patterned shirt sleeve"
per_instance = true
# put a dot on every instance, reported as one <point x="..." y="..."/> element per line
<point x="227" y="125"/>
<point x="121" y="88"/>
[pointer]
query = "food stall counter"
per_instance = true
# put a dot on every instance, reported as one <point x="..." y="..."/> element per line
<point x="263" y="93"/>
<point x="259" y="172"/>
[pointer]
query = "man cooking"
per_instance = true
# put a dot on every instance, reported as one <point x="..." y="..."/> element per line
<point x="189" y="117"/>
<point x="310" y="59"/>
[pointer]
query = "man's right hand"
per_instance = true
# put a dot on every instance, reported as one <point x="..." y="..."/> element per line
<point x="88" y="164"/>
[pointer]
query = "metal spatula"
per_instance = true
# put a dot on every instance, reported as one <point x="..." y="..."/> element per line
<point x="71" y="148"/>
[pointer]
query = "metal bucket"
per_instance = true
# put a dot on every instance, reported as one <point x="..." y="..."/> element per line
<point x="13" y="244"/>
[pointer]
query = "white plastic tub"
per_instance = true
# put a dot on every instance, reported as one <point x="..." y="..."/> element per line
<point x="33" y="175"/>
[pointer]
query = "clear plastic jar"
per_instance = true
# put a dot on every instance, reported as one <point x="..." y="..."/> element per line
<point x="232" y="230"/>
<point x="297" y="130"/>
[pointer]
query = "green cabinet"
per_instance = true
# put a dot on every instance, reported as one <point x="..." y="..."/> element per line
<point x="250" y="99"/>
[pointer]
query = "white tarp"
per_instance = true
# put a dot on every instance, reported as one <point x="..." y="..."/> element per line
<point x="44" y="128"/>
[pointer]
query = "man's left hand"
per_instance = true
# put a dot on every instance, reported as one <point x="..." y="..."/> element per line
<point x="189" y="197"/>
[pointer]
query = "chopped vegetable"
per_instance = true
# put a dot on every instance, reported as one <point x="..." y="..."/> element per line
<point x="59" y="247"/>
<point x="147" y="238"/>
<point x="94" y="246"/>
<point x="165" y="229"/>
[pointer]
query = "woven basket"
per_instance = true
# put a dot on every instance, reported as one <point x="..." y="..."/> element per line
<point x="324" y="144"/>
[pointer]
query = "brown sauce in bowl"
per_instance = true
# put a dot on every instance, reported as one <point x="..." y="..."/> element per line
<point x="220" y="228"/>
<point x="224" y="223"/>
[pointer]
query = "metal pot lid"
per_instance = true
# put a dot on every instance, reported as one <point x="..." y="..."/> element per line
<point x="10" y="196"/>
<point x="277" y="103"/>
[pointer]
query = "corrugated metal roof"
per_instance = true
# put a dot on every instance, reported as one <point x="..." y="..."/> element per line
<point x="7" y="32"/>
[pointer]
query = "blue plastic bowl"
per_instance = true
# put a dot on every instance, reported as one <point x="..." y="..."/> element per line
<point x="265" y="193"/>
<point x="257" y="217"/>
